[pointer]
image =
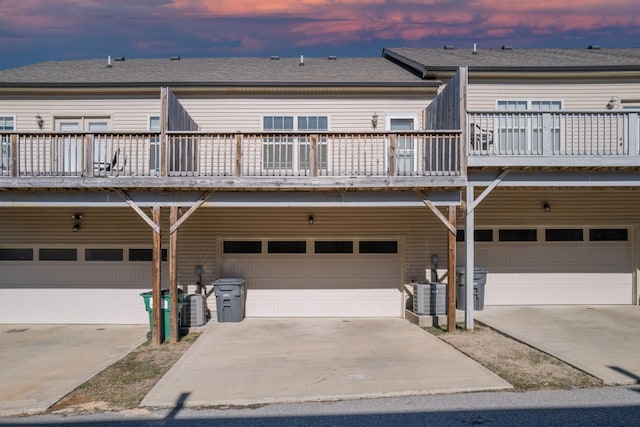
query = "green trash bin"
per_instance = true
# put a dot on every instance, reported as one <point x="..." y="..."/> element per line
<point x="165" y="312"/>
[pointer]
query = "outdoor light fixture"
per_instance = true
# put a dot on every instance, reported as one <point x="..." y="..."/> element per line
<point x="76" y="227"/>
<point x="310" y="219"/>
<point x="198" y="270"/>
<point x="39" y="120"/>
<point x="546" y="207"/>
<point x="77" y="216"/>
<point x="374" y="121"/>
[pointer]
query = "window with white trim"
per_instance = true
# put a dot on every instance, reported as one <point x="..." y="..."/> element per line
<point x="288" y="154"/>
<point x="520" y="131"/>
<point x="406" y="156"/>
<point x="7" y="124"/>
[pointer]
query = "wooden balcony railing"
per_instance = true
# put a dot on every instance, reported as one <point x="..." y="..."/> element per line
<point x="558" y="136"/>
<point x="202" y="154"/>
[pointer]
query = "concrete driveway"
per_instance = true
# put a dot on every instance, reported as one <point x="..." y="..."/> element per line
<point x="601" y="340"/>
<point x="259" y="361"/>
<point x="43" y="363"/>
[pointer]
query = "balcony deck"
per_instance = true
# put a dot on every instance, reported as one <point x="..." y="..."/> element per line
<point x="239" y="161"/>
<point x="584" y="139"/>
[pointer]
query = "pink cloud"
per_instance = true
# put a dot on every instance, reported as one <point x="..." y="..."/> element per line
<point x="244" y="27"/>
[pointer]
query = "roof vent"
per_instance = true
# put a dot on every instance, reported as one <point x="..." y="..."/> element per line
<point x="449" y="47"/>
<point x="332" y="58"/>
<point x="301" y="61"/>
<point x="594" y="47"/>
<point x="275" y="58"/>
<point x="507" y="47"/>
<point x="109" y="61"/>
<point x="475" y="49"/>
<point x="175" y="58"/>
<point x="119" y="59"/>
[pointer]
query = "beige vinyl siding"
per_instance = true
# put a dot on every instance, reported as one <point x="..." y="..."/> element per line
<point x="345" y="113"/>
<point x="126" y="113"/>
<point x="574" y="95"/>
<point x="422" y="233"/>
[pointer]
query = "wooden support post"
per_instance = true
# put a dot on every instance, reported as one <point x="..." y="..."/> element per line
<point x="392" y="155"/>
<point x="313" y="156"/>
<point x="164" y="122"/>
<point x="88" y="153"/>
<point x="238" y="155"/>
<point x="174" y="334"/>
<point x="451" y="285"/>
<point x="156" y="338"/>
<point x="14" y="156"/>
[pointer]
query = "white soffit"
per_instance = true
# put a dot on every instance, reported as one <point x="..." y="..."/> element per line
<point x="231" y="199"/>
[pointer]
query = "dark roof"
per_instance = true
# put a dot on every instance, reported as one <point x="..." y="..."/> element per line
<point x="213" y="71"/>
<point x="517" y="59"/>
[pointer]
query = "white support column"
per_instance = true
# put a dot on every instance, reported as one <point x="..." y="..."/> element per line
<point x="469" y="262"/>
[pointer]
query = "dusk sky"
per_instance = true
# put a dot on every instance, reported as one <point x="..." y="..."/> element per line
<point x="41" y="30"/>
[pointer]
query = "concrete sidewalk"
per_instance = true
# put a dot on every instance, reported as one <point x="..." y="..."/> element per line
<point x="260" y="361"/>
<point x="43" y="363"/>
<point x="600" y="340"/>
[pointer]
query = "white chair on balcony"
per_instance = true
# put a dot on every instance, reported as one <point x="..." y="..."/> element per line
<point x="480" y="138"/>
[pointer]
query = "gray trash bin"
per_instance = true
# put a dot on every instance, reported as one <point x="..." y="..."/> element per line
<point x="479" y="281"/>
<point x="230" y="299"/>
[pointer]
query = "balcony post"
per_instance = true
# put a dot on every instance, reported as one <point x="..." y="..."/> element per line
<point x="238" y="155"/>
<point x="164" y="93"/>
<point x="634" y="135"/>
<point x="88" y="155"/>
<point x="14" y="156"/>
<point x="313" y="156"/>
<point x="547" y="135"/>
<point x="392" y="155"/>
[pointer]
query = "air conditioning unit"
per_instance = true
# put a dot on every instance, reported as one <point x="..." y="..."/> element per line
<point x="194" y="310"/>
<point x="430" y="298"/>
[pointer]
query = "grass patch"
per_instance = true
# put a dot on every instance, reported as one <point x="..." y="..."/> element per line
<point x="524" y="367"/>
<point x="124" y="384"/>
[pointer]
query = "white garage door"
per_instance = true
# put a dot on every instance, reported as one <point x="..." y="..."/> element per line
<point x="101" y="286"/>
<point x="305" y="278"/>
<point x="596" y="268"/>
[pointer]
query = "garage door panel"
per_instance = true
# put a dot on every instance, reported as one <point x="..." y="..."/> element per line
<point x="319" y="285"/>
<point x="70" y="292"/>
<point x="557" y="288"/>
<point x="88" y="306"/>
<point x="529" y="273"/>
<point x="324" y="303"/>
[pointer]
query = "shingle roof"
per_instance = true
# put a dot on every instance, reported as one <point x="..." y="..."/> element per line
<point x="213" y="71"/>
<point x="532" y="59"/>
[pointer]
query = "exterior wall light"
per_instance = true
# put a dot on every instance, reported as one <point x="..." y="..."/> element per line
<point x="310" y="219"/>
<point x="76" y="227"/>
<point x="39" y="121"/>
<point x="374" y="121"/>
<point x="546" y="207"/>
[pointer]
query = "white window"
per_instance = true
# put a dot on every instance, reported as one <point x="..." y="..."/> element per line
<point x="406" y="146"/>
<point x="520" y="131"/>
<point x="312" y="123"/>
<point x="289" y="154"/>
<point x="7" y="124"/>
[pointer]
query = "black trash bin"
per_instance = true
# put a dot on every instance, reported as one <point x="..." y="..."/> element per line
<point x="230" y="299"/>
<point x="479" y="281"/>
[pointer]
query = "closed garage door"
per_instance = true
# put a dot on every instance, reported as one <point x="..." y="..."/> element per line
<point x="74" y="285"/>
<point x="556" y="266"/>
<point x="317" y="278"/>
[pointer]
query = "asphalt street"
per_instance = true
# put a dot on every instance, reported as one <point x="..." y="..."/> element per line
<point x="609" y="406"/>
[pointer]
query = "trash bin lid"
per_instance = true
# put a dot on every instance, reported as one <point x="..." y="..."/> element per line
<point x="228" y="281"/>
<point x="475" y="270"/>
